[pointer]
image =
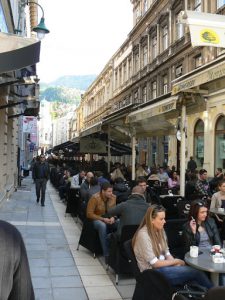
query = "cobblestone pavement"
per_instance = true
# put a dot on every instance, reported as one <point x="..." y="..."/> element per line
<point x="59" y="271"/>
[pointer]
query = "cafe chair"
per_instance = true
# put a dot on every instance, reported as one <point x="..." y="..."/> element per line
<point x="73" y="202"/>
<point x="215" y="293"/>
<point x="170" y="204"/>
<point x="150" y="284"/>
<point x="89" y="238"/>
<point x="174" y="229"/>
<point x="118" y="259"/>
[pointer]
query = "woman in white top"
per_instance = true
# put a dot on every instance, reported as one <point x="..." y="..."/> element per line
<point x="151" y="251"/>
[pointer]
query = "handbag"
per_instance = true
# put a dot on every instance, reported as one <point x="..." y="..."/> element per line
<point x="192" y="291"/>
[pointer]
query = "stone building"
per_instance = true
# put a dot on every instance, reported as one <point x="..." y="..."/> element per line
<point x="153" y="79"/>
<point x="19" y="87"/>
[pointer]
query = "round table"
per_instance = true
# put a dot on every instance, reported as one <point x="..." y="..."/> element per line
<point x="204" y="263"/>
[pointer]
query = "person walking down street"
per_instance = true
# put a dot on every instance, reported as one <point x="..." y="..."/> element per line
<point x="192" y="166"/>
<point x="41" y="175"/>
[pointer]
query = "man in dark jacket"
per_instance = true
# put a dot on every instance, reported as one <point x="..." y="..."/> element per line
<point x="192" y="166"/>
<point x="132" y="211"/>
<point x="41" y="175"/>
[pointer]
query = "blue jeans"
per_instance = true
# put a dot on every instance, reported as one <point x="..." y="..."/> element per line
<point x="179" y="275"/>
<point x="101" y="227"/>
<point x="103" y="231"/>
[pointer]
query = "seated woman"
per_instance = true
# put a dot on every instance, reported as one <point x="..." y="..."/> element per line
<point x="200" y="230"/>
<point x="151" y="251"/>
<point x="174" y="181"/>
<point x="153" y="176"/>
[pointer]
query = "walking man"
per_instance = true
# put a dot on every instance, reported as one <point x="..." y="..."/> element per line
<point x="41" y="176"/>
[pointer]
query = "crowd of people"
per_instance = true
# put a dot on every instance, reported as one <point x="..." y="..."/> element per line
<point x="111" y="201"/>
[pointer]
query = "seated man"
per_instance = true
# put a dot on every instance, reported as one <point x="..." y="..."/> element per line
<point x="202" y="185"/>
<point x="78" y="179"/>
<point x="85" y="186"/>
<point x="142" y="182"/>
<point x="132" y="211"/>
<point x="97" y="211"/>
<point x="216" y="179"/>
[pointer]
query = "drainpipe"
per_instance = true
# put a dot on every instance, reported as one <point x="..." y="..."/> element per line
<point x="183" y="147"/>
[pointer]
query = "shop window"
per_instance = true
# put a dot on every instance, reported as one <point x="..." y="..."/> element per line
<point x="220" y="3"/>
<point x="199" y="143"/>
<point x="220" y="143"/>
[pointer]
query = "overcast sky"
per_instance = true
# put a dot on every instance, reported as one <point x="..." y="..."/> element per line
<point x="84" y="34"/>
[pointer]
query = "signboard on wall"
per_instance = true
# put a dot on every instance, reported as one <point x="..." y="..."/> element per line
<point x="92" y="145"/>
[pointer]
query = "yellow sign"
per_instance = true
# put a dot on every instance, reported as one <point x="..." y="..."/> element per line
<point x="209" y="36"/>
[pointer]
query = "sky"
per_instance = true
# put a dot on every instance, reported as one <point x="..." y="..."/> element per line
<point x="84" y="34"/>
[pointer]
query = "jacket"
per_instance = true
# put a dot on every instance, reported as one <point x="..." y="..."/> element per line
<point x="97" y="207"/>
<point x="191" y="239"/>
<point x="37" y="170"/>
<point x="130" y="212"/>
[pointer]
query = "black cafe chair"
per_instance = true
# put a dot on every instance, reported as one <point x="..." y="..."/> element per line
<point x="118" y="259"/>
<point x="89" y="238"/>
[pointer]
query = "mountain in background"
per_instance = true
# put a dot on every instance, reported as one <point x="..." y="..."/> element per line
<point x="80" y="82"/>
<point x="66" y="89"/>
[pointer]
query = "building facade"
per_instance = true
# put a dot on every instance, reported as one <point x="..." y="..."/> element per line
<point x="18" y="86"/>
<point x="154" y="78"/>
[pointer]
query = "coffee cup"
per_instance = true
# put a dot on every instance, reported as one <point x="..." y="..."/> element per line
<point x="194" y="251"/>
<point x="216" y="248"/>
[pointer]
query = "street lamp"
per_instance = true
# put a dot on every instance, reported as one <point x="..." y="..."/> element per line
<point x="40" y="29"/>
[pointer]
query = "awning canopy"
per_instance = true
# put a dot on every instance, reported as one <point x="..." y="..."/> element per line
<point x="206" y="29"/>
<point x="17" y="52"/>
<point x="90" y="130"/>
<point x="73" y="149"/>
<point x="154" y="119"/>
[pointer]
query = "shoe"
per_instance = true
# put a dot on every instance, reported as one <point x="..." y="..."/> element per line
<point x="37" y="200"/>
<point x="42" y="204"/>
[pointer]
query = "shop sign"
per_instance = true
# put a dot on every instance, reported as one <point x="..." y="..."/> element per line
<point x="201" y="78"/>
<point x="92" y="145"/>
<point x="153" y="111"/>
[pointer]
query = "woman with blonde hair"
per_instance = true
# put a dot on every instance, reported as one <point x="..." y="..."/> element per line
<point x="152" y="252"/>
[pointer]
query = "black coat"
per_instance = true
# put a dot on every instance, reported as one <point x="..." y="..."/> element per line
<point x="191" y="239"/>
<point x="37" y="170"/>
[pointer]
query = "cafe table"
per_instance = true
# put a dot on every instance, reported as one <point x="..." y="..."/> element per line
<point x="217" y="211"/>
<point x="204" y="263"/>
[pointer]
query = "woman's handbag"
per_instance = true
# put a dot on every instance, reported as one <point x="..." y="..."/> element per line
<point x="192" y="291"/>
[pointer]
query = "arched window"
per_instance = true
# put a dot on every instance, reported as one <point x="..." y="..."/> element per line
<point x="199" y="143"/>
<point x="220" y="143"/>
